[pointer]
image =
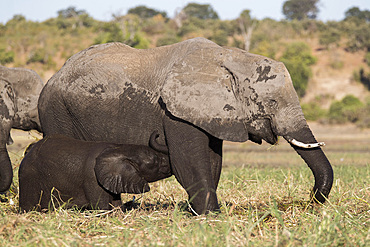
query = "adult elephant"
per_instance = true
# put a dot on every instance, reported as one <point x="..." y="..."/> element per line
<point x="196" y="93"/>
<point x="19" y="93"/>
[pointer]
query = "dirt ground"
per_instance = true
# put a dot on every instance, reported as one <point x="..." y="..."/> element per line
<point x="328" y="83"/>
<point x="21" y="141"/>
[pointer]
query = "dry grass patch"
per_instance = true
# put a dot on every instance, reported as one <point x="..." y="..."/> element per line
<point x="262" y="207"/>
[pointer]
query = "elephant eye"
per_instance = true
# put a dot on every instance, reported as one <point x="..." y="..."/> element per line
<point x="272" y="103"/>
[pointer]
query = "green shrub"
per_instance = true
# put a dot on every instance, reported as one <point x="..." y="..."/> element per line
<point x="237" y="43"/>
<point x="6" y="56"/>
<point x="336" y="64"/>
<point x="37" y="56"/>
<point x="41" y="55"/>
<point x="145" y="12"/>
<point x="139" y="41"/>
<point x="219" y="37"/>
<point x="346" y="110"/>
<point x="187" y="27"/>
<point x="265" y="48"/>
<point x="330" y="34"/>
<point x="362" y="77"/>
<point x="328" y="38"/>
<point x="155" y="25"/>
<point x="365" y="78"/>
<point x="2" y="29"/>
<point x="364" y="116"/>
<point x="111" y="32"/>
<point x="200" y="11"/>
<point x="298" y="59"/>
<point x="356" y="75"/>
<point x="168" y="39"/>
<point x="358" y="37"/>
<point x="300" y="74"/>
<point x="312" y="111"/>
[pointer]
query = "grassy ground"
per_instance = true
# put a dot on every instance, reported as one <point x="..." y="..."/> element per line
<point x="263" y="194"/>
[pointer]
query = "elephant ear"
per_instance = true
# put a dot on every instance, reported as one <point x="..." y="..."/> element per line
<point x="116" y="174"/>
<point x="200" y="90"/>
<point x="8" y="109"/>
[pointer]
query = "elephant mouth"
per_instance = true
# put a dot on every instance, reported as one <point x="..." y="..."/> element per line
<point x="262" y="129"/>
<point x="272" y="139"/>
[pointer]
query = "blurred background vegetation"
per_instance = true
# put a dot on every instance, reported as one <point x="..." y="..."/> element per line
<point x="311" y="49"/>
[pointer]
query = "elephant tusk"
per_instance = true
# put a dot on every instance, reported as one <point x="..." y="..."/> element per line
<point x="304" y="145"/>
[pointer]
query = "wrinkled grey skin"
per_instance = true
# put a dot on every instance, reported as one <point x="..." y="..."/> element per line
<point x="88" y="175"/>
<point x="19" y="92"/>
<point x="195" y="92"/>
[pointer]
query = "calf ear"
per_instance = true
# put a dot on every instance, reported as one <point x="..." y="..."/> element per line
<point x="117" y="175"/>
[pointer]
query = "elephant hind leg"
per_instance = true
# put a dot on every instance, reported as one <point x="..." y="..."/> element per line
<point x="6" y="169"/>
<point x="7" y="112"/>
<point x="215" y="152"/>
<point x="57" y="118"/>
<point x="30" y="194"/>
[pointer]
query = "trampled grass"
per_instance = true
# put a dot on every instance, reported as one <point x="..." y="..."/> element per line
<point x="263" y="196"/>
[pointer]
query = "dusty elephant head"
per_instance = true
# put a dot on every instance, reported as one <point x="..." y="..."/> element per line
<point x="19" y="93"/>
<point x="238" y="96"/>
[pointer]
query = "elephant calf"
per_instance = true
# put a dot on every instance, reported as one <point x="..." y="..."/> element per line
<point x="62" y="171"/>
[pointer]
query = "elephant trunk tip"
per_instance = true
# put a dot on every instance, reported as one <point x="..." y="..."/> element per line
<point x="318" y="197"/>
<point x="304" y="145"/>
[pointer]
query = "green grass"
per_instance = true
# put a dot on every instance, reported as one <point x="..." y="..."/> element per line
<point x="262" y="204"/>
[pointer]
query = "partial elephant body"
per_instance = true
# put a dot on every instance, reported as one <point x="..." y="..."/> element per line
<point x="119" y="97"/>
<point x="63" y="171"/>
<point x="19" y="92"/>
<point x="26" y="85"/>
<point x="196" y="94"/>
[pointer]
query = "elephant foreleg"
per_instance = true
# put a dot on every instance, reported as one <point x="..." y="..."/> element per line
<point x="191" y="163"/>
<point x="7" y="112"/>
<point x="6" y="169"/>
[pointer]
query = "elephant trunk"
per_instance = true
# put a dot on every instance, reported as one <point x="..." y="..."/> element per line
<point x="155" y="145"/>
<point x="6" y="171"/>
<point x="309" y="149"/>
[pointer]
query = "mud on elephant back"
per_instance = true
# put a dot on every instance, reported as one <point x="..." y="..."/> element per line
<point x="19" y="93"/>
<point x="196" y="94"/>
